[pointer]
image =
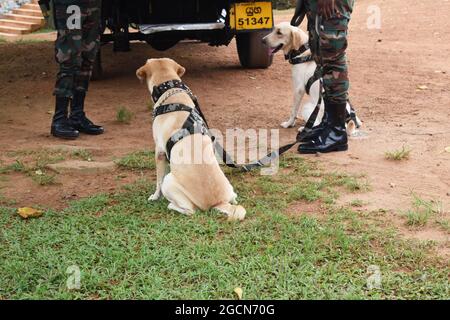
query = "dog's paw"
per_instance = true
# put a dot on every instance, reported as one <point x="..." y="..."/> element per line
<point x="238" y="214"/>
<point x="288" y="124"/>
<point x="154" y="197"/>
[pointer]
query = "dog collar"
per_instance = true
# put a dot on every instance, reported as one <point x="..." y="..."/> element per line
<point x="159" y="90"/>
<point x="294" y="56"/>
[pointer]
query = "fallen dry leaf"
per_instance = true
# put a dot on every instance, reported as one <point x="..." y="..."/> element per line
<point x="423" y="87"/>
<point x="447" y="149"/>
<point x="29" y="213"/>
<point x="239" y="293"/>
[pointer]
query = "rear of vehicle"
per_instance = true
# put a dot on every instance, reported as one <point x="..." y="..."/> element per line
<point x="163" y="23"/>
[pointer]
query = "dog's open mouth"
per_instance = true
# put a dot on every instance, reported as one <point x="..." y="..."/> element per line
<point x="276" y="49"/>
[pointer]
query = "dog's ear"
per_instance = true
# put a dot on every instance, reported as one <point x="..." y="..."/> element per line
<point x="296" y="39"/>
<point x="180" y="70"/>
<point x="141" y="74"/>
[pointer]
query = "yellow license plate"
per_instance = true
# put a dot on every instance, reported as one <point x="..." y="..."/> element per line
<point x="252" y="15"/>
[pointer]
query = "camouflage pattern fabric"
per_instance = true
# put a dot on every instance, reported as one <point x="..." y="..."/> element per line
<point x="76" y="48"/>
<point x="333" y="44"/>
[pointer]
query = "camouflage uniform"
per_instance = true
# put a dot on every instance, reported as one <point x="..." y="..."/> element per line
<point x="76" y="49"/>
<point x="333" y="44"/>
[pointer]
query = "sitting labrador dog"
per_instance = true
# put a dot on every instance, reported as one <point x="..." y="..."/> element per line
<point x="290" y="40"/>
<point x="196" y="180"/>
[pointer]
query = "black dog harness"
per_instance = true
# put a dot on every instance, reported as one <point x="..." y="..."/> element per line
<point x="295" y="57"/>
<point x="196" y="123"/>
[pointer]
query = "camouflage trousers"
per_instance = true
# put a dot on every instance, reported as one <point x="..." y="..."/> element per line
<point x="76" y="45"/>
<point x="329" y="48"/>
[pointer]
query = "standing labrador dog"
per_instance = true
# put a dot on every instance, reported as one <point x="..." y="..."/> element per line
<point x="289" y="38"/>
<point x="196" y="180"/>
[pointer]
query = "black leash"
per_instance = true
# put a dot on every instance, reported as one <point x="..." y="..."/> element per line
<point x="296" y="21"/>
<point x="190" y="126"/>
<point x="299" y="14"/>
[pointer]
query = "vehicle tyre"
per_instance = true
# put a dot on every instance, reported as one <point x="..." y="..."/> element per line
<point x="97" y="71"/>
<point x="252" y="52"/>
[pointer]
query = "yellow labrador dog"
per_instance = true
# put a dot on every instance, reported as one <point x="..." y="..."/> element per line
<point x="289" y="38"/>
<point x="196" y="180"/>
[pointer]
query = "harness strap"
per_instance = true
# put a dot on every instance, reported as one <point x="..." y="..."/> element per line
<point x="168" y="108"/>
<point x="193" y="124"/>
<point x="158" y="92"/>
<point x="300" y="60"/>
<point x="186" y="131"/>
<point x="316" y="76"/>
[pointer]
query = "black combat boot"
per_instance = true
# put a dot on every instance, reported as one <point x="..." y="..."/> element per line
<point x="78" y="118"/>
<point x="61" y="126"/>
<point x="333" y="137"/>
<point x="316" y="131"/>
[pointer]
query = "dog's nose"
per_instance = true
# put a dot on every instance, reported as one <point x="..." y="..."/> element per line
<point x="264" y="40"/>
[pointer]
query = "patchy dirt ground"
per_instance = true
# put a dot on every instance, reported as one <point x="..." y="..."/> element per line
<point x="387" y="67"/>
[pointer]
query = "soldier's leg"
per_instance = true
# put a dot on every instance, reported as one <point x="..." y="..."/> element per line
<point x="91" y="19"/>
<point x="311" y="13"/>
<point x="68" y="57"/>
<point x="90" y="43"/>
<point x="332" y="54"/>
<point x="333" y="45"/>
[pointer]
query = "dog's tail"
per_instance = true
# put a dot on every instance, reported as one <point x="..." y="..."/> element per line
<point x="234" y="212"/>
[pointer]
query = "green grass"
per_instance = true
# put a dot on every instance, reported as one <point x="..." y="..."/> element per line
<point x="422" y="211"/>
<point x="6" y="202"/>
<point x="36" y="173"/>
<point x="140" y="160"/>
<point x="30" y="41"/>
<point x="126" y="247"/>
<point x="22" y="41"/>
<point x="357" y="203"/>
<point x="124" y="115"/>
<point x="444" y="224"/>
<point x="17" y="166"/>
<point x="43" y="178"/>
<point x="33" y="163"/>
<point x="44" y="30"/>
<point x="83" y="154"/>
<point x="398" y="155"/>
